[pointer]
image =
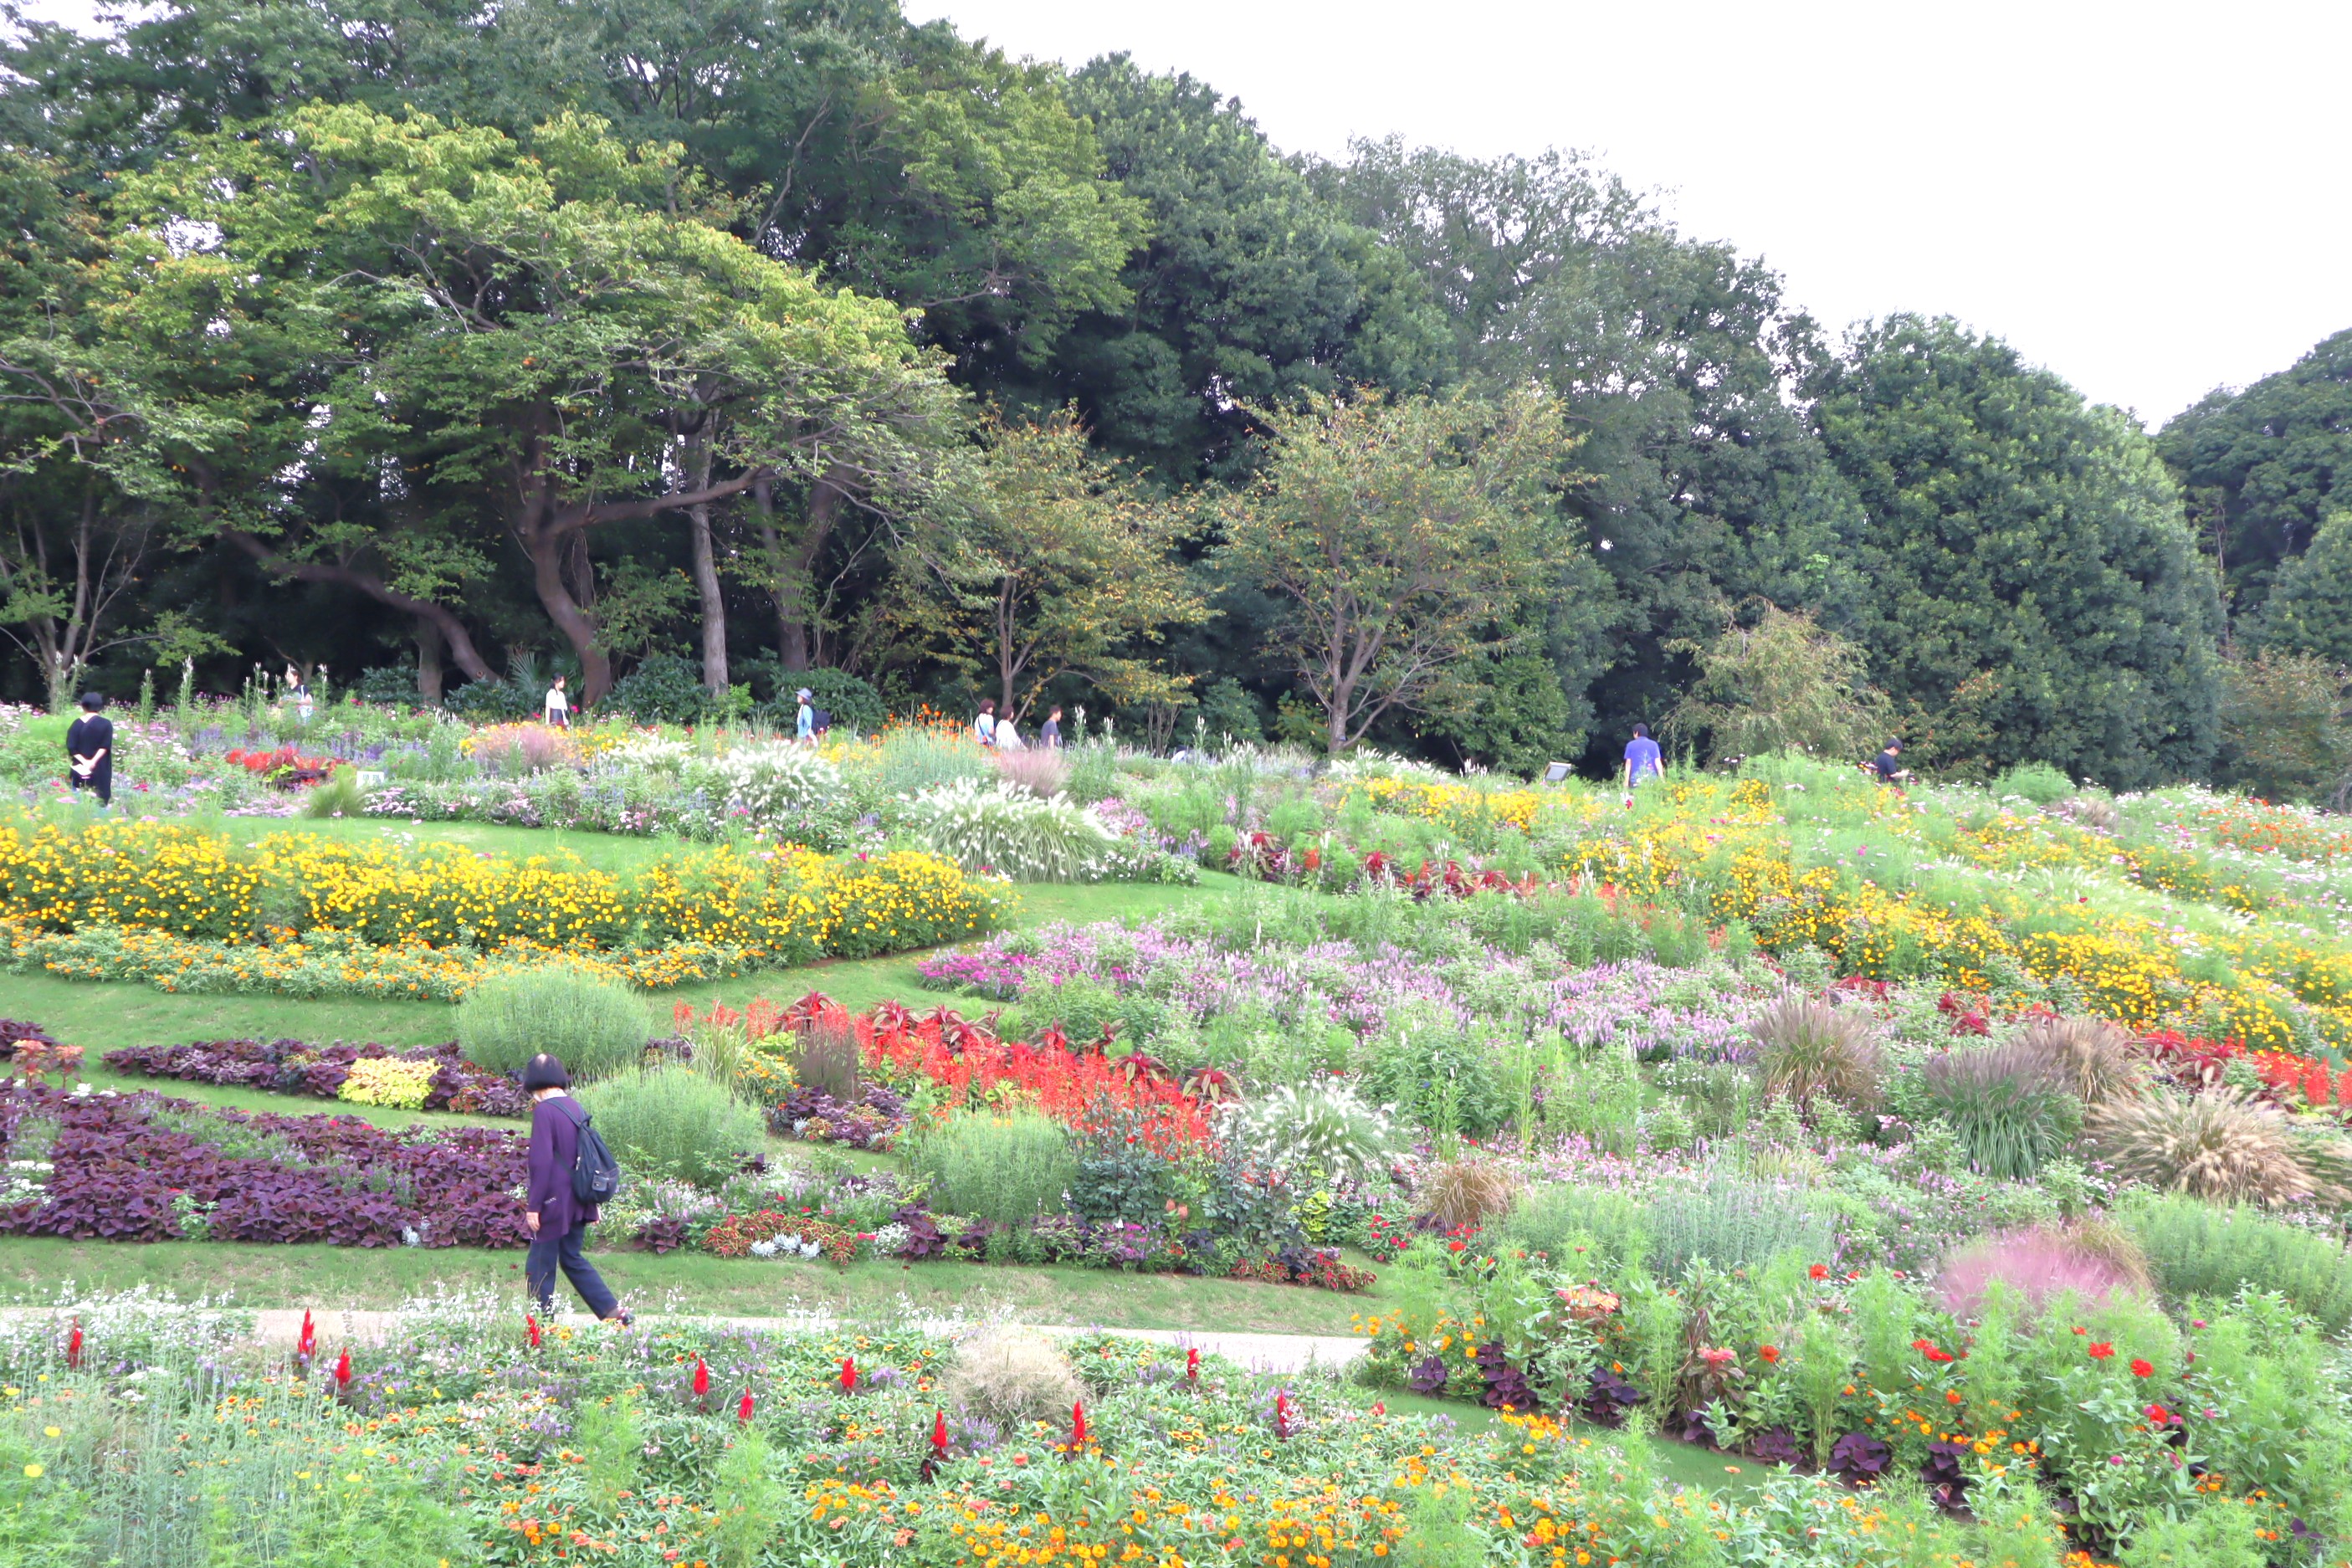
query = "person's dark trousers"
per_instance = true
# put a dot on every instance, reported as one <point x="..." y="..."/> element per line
<point x="549" y="1252"/>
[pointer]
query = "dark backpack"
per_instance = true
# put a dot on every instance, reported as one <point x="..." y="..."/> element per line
<point x="595" y="1174"/>
<point x="820" y="721"/>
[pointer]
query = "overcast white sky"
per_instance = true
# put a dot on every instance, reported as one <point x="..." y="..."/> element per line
<point x="2152" y="198"/>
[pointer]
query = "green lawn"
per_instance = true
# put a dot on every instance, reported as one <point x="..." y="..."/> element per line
<point x="338" y="1277"/>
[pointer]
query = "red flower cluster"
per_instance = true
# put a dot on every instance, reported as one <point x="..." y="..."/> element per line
<point x="1076" y="1084"/>
<point x="284" y="767"/>
<point x="1927" y="1348"/>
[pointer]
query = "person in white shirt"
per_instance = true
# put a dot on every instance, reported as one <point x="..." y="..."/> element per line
<point x="1008" y="736"/>
<point x="984" y="729"/>
<point x="558" y="707"/>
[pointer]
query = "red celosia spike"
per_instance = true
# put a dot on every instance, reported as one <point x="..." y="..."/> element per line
<point x="531" y="1328"/>
<point x="73" y="1347"/>
<point x="940" y="1432"/>
<point x="743" y="1410"/>
<point x="848" y="1374"/>
<point x="701" y="1378"/>
<point x="1077" y="1423"/>
<point x="343" y="1370"/>
<point x="307" y="1340"/>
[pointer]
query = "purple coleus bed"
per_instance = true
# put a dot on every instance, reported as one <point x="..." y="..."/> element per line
<point x="1859" y="1457"/>
<point x="296" y="1067"/>
<point x="117" y="1173"/>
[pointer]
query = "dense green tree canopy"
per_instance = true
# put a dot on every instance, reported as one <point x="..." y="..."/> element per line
<point x="2264" y="466"/>
<point x="2033" y="592"/>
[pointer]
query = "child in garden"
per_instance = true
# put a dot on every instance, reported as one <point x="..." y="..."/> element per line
<point x="90" y="749"/>
<point x="558" y="1221"/>
<point x="557" y="710"/>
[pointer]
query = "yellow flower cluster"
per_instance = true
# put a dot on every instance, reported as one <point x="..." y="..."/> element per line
<point x="384" y="1080"/>
<point x="1458" y="805"/>
<point x="309" y="916"/>
<point x="1726" y="844"/>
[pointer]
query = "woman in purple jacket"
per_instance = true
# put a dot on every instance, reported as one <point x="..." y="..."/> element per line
<point x="557" y="1220"/>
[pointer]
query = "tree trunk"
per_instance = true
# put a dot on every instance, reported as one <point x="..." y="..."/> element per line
<point x="792" y="567"/>
<point x="548" y="550"/>
<point x="429" y="643"/>
<point x="706" y="576"/>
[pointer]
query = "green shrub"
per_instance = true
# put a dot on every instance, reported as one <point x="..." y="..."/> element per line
<point x="1007" y="1168"/>
<point x="1002" y="828"/>
<point x="916" y="758"/>
<point x="595" y="1026"/>
<point x="2037" y="782"/>
<point x="2195" y="1249"/>
<point x="1733" y="1225"/>
<point x="674" y="1122"/>
<point x="1612" y="1227"/>
<point x="662" y="689"/>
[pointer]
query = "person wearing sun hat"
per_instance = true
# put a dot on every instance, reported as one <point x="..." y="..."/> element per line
<point x="804" y="727"/>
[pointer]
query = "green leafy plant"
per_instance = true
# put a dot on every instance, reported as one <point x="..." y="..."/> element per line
<point x="1008" y="1168"/>
<point x="595" y="1027"/>
<point x="2196" y="1248"/>
<point x="673" y="1122"/>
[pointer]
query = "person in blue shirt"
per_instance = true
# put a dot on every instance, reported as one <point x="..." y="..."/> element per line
<point x="1643" y="758"/>
<point x="804" y="727"/>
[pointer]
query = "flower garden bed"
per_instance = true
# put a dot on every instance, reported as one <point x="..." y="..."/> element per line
<point x="474" y="1434"/>
<point x="435" y="1078"/>
<point x="189" y="911"/>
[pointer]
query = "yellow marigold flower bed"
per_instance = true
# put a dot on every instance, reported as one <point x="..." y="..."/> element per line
<point x="302" y="915"/>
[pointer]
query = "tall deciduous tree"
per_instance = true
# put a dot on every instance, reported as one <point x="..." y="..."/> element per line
<point x="1054" y="562"/>
<point x="2286" y="727"/>
<point x="2030" y="569"/>
<point x="1672" y="358"/>
<point x="1402" y="539"/>
<point x="1783" y="684"/>
<point x="550" y="332"/>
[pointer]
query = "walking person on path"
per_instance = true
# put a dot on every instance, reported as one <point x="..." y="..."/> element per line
<point x="983" y="728"/>
<point x="557" y="709"/>
<point x="1049" y="734"/>
<point x="1643" y="760"/>
<point x="90" y="750"/>
<point x="804" y="723"/>
<point x="558" y="1221"/>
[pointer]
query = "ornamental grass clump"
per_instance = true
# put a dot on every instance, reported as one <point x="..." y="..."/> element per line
<point x="777" y="786"/>
<point x="2222" y="1145"/>
<point x="1008" y="1168"/>
<point x="595" y="1026"/>
<point x="1805" y="1047"/>
<point x="674" y="1122"/>
<point x="2090" y="1058"/>
<point x="1000" y="828"/>
<point x="1034" y="771"/>
<point x="1324" y="1133"/>
<point x="2090" y="1263"/>
<point x="1011" y="1377"/>
<point x="2007" y="1103"/>
<point x="1469" y="1190"/>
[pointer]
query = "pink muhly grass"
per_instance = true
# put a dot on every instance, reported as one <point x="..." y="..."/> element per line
<point x="2039" y="1264"/>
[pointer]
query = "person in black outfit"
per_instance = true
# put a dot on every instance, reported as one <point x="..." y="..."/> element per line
<point x="557" y="1220"/>
<point x="1889" y="766"/>
<point x="90" y="749"/>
